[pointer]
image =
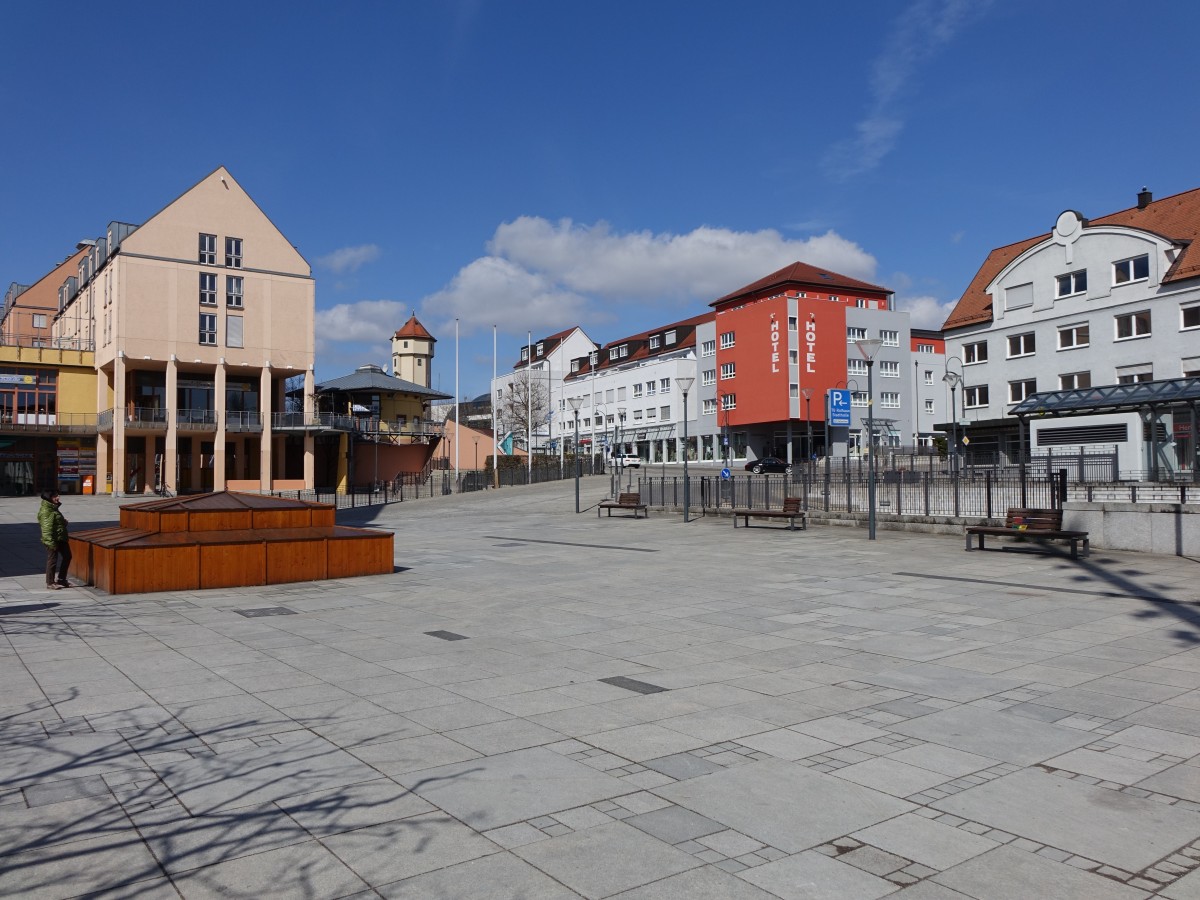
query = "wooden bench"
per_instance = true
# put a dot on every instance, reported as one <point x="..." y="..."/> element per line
<point x="1036" y="525"/>
<point x="791" y="511"/>
<point x="624" y="501"/>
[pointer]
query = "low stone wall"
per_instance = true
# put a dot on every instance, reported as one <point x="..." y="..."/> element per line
<point x="1171" y="529"/>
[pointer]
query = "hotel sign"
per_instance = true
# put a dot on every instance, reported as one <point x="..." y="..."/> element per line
<point x="774" y="344"/>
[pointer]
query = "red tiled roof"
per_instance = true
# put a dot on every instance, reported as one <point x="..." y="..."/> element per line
<point x="549" y="345"/>
<point x="414" y="329"/>
<point x="1176" y="218"/>
<point x="639" y="344"/>
<point x="802" y="274"/>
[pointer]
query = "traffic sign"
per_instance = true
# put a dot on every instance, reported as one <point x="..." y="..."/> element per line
<point x="726" y="474"/>
<point x="837" y="407"/>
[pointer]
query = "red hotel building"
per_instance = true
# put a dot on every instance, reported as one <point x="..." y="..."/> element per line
<point x="790" y="333"/>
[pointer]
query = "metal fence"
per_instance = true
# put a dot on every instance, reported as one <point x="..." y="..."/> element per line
<point x="899" y="494"/>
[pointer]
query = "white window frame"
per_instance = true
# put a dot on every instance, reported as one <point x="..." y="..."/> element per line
<point x="208" y="329"/>
<point x="728" y="371"/>
<point x="664" y="385"/>
<point x="39" y="320"/>
<point x="1133" y="318"/>
<point x="208" y="295"/>
<point x="858" y="399"/>
<point x="1023" y="341"/>
<point x="889" y="400"/>
<point x="1070" y="284"/>
<point x="235" y="287"/>
<point x="929" y="376"/>
<point x="728" y="401"/>
<point x="855" y="333"/>
<point x="972" y="355"/>
<point x="1184" y="311"/>
<point x="1073" y="379"/>
<point x="889" y="368"/>
<point x="233" y="253"/>
<point x="1074" y="332"/>
<point x="728" y="340"/>
<point x="655" y="342"/>
<point x="1020" y="389"/>
<point x="708" y="348"/>
<point x="710" y="407"/>
<point x="976" y="396"/>
<point x="708" y="377"/>
<point x="1129" y="275"/>
<point x="669" y="337"/>
<point x="651" y="388"/>
<point x="889" y="337"/>
<point x="929" y="407"/>
<point x="637" y="391"/>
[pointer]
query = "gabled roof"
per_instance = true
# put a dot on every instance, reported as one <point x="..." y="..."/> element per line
<point x="549" y="345"/>
<point x="414" y="329"/>
<point x="801" y="274"/>
<point x="373" y="378"/>
<point x="639" y="345"/>
<point x="1175" y="218"/>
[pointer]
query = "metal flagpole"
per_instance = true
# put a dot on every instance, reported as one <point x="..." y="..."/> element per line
<point x="495" y="434"/>
<point x="529" y="404"/>
<point x="456" y="419"/>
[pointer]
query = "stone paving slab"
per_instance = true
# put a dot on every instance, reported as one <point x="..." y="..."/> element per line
<point x="838" y="718"/>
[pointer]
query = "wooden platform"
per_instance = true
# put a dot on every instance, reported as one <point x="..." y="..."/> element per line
<point x="225" y="539"/>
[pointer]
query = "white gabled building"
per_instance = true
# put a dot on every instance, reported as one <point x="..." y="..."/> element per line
<point x="631" y="400"/>
<point x="542" y="364"/>
<point x="1096" y="302"/>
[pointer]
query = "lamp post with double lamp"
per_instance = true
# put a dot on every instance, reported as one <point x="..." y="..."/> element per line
<point x="685" y="383"/>
<point x="576" y="402"/>
<point x="868" y="349"/>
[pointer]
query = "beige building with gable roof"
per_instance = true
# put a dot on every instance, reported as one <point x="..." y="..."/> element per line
<point x="199" y="316"/>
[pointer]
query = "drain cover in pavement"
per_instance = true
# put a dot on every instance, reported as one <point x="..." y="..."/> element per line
<point x="630" y="684"/>
<point x="266" y="611"/>
<point x="447" y="635"/>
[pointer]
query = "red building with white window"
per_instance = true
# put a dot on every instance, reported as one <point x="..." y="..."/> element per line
<point x="783" y="342"/>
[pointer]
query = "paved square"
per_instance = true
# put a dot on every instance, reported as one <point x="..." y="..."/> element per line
<point x="839" y="718"/>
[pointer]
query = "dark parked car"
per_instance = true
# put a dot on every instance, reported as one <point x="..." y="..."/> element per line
<point x="769" y="464"/>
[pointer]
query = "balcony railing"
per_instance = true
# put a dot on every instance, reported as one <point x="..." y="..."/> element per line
<point x="146" y="417"/>
<point x="45" y="341"/>
<point x="243" y="420"/>
<point x="58" y="423"/>
<point x="196" y="419"/>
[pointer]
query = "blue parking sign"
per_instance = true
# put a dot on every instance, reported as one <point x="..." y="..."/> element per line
<point x="837" y="407"/>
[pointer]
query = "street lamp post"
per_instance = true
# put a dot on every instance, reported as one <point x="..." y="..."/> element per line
<point x="685" y="383"/>
<point x="621" y="451"/>
<point x="868" y="349"/>
<point x="953" y="379"/>
<point x="576" y="402"/>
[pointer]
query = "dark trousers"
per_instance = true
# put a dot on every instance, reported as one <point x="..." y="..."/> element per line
<point x="58" y="557"/>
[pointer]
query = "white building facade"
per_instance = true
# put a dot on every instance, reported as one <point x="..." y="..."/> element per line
<point x="1102" y="302"/>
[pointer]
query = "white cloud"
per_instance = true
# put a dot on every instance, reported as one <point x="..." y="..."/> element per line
<point x="918" y="33"/>
<point x="925" y="311"/>
<point x="701" y="264"/>
<point x="544" y="276"/>
<point x="349" y="259"/>
<point x="364" y="321"/>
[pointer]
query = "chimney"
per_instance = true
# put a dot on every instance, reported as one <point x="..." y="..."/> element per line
<point x="1144" y="198"/>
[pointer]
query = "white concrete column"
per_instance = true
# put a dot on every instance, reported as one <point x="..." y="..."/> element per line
<point x="266" y="404"/>
<point x="171" y="449"/>
<point x="120" y="476"/>
<point x="310" y="441"/>
<point x="103" y="441"/>
<point x="219" y="445"/>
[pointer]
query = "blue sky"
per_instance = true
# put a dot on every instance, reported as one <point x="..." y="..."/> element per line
<point x="533" y="165"/>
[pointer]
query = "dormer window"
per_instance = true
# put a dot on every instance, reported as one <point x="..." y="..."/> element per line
<point x="541" y="348"/>
<point x="655" y="341"/>
<point x="524" y="354"/>
<point x="574" y="366"/>
<point x="669" y="337"/>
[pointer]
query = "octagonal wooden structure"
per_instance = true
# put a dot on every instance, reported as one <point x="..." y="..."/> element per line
<point x="225" y="539"/>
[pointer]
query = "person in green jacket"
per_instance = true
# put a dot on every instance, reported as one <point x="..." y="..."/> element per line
<point x="54" y="536"/>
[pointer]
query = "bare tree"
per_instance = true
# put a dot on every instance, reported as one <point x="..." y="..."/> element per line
<point x="525" y="401"/>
